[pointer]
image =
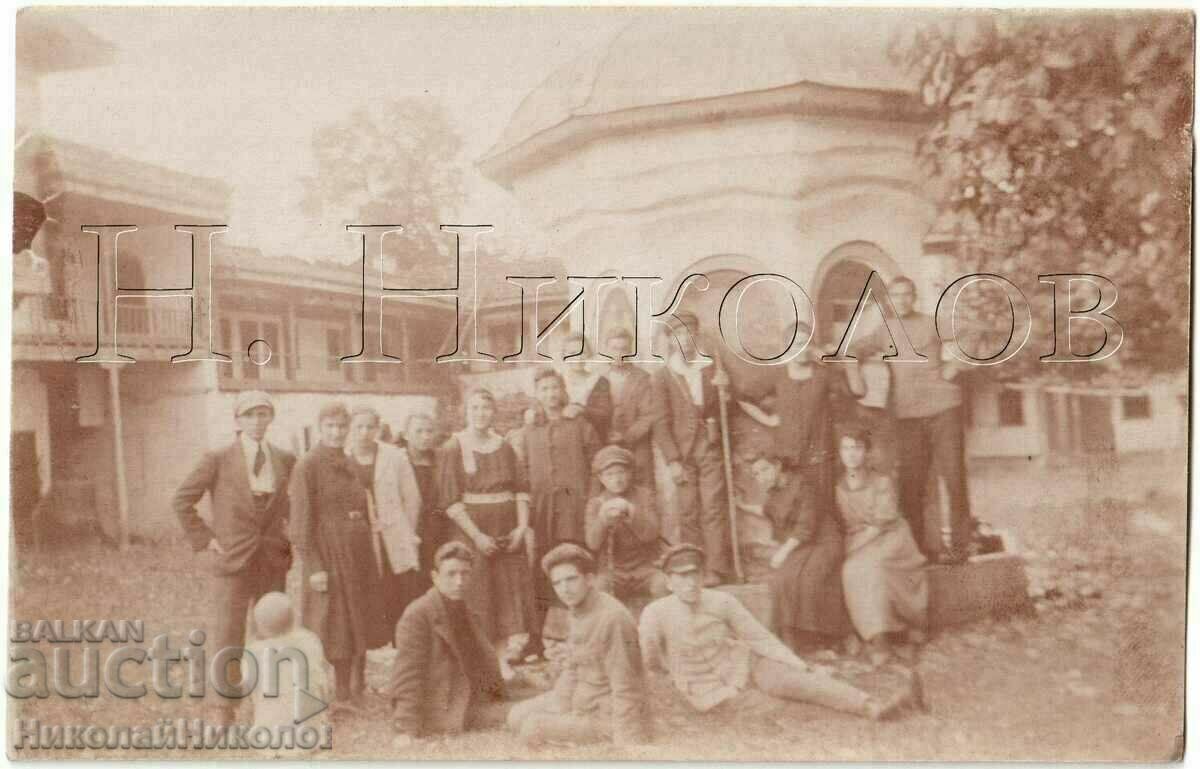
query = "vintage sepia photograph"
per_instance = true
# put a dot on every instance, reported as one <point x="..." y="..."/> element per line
<point x="638" y="384"/>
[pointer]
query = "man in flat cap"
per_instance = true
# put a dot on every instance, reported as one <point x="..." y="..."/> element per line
<point x="244" y="540"/>
<point x="714" y="649"/>
<point x="600" y="694"/>
<point x="622" y="527"/>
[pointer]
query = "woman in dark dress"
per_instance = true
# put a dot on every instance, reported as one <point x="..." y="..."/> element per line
<point x="485" y="493"/>
<point x="332" y="535"/>
<point x="805" y="579"/>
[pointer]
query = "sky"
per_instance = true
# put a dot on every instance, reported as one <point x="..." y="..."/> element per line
<point x="235" y="94"/>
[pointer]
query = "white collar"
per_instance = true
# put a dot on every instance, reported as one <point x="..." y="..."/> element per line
<point x="470" y="444"/>
<point x="683" y="368"/>
<point x="250" y="445"/>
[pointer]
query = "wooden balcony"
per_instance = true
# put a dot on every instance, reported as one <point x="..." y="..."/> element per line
<point x="31" y="276"/>
<point x="52" y="328"/>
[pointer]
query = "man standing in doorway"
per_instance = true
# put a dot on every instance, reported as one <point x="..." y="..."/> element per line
<point x="927" y="405"/>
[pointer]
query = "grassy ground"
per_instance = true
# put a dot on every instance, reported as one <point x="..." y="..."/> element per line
<point x="1095" y="673"/>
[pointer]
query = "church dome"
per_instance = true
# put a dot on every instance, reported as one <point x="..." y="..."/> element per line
<point x="684" y="55"/>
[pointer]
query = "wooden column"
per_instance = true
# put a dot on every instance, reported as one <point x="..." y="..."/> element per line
<point x="406" y="354"/>
<point x="114" y="394"/>
<point x="1041" y="424"/>
<point x="292" y="334"/>
<point x="1076" y="405"/>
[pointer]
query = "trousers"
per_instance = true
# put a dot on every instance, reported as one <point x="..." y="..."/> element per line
<point x="540" y="720"/>
<point x="786" y="682"/>
<point x="934" y="445"/>
<point x="233" y="597"/>
<point x="703" y="506"/>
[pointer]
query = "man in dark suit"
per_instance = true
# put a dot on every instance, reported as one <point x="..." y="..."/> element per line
<point x="446" y="678"/>
<point x="688" y="434"/>
<point x="633" y="414"/>
<point x="244" y="542"/>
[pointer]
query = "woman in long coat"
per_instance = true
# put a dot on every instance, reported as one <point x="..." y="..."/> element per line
<point x="884" y="573"/>
<point x="485" y="493"/>
<point x="332" y="535"/>
<point x="805" y="579"/>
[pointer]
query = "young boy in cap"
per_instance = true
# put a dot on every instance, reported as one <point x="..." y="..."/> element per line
<point x="714" y="649"/>
<point x="600" y="694"/>
<point x="244" y="542"/>
<point x="622" y="526"/>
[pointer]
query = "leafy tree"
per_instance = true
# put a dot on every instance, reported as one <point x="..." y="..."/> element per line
<point x="394" y="162"/>
<point x="1061" y="142"/>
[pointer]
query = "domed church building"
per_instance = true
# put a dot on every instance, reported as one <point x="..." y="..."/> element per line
<point x="728" y="143"/>
<point x="734" y="141"/>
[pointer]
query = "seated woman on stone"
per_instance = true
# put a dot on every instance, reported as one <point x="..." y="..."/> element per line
<point x="805" y="579"/>
<point x="883" y="575"/>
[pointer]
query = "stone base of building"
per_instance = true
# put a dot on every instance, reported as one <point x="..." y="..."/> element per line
<point x="985" y="586"/>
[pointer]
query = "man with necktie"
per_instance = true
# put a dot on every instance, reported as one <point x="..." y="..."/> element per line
<point x="244" y="541"/>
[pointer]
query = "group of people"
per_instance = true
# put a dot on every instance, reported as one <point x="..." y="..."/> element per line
<point x="711" y="649"/>
<point x="461" y="536"/>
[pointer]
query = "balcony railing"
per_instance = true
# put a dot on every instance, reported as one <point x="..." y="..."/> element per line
<point x="70" y="324"/>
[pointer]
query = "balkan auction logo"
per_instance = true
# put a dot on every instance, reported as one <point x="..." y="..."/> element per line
<point x="132" y="670"/>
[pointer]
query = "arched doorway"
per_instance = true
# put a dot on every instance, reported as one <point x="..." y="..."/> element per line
<point x="841" y="278"/>
<point x="766" y="318"/>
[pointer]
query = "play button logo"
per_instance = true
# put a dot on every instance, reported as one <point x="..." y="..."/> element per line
<point x="307" y="706"/>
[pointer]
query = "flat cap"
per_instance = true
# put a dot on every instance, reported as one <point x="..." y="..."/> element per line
<point x="609" y="456"/>
<point x="682" y="558"/>
<point x="569" y="552"/>
<point x="248" y="399"/>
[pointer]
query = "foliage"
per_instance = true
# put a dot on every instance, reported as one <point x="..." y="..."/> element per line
<point x="390" y="163"/>
<point x="1061" y="142"/>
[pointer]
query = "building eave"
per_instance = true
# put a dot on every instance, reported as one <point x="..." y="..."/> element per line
<point x="77" y="169"/>
<point x="48" y="40"/>
<point x="800" y="99"/>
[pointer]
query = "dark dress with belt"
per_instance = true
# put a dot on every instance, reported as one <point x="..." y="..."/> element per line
<point x="500" y="590"/>
<point x="806" y="591"/>
<point x="331" y="533"/>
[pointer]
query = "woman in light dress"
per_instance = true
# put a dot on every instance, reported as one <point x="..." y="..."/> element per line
<point x="883" y="575"/>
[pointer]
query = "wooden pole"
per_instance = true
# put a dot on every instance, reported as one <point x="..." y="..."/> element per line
<point x="731" y="499"/>
<point x="114" y="392"/>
